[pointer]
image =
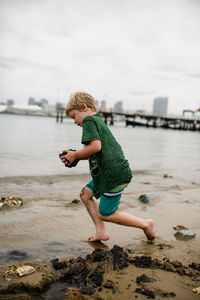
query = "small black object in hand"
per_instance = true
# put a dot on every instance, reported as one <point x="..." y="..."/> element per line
<point x="72" y="164"/>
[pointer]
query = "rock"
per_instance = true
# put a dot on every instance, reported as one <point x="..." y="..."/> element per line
<point x="143" y="261"/>
<point x="11" y="201"/>
<point x="176" y="187"/>
<point x="189" y="201"/>
<point x="75" y="201"/>
<point x="168" y="295"/>
<point x="179" y="227"/>
<point x="144" y="278"/>
<point x="73" y="294"/>
<point x="110" y="285"/>
<point x="195" y="266"/>
<point x="177" y="264"/>
<point x="144" y="198"/>
<point x="10" y="272"/>
<point x="162" y="246"/>
<point x="185" y="234"/>
<point x="120" y="258"/>
<point x="98" y="255"/>
<point x="167" y="266"/>
<point x="58" y="265"/>
<point x="87" y="290"/>
<point x="167" y="176"/>
<point x="25" y="270"/>
<point x="96" y="276"/>
<point x="21" y="271"/>
<point x="197" y="290"/>
<point x="16" y="297"/>
<point x="197" y="278"/>
<point x="146" y="292"/>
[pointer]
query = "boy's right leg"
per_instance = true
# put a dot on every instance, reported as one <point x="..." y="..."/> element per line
<point x="92" y="208"/>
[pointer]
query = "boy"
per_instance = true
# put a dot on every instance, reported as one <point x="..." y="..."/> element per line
<point x="108" y="167"/>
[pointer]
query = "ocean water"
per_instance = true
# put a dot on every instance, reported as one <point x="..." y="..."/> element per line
<point x="29" y="146"/>
<point x="49" y="225"/>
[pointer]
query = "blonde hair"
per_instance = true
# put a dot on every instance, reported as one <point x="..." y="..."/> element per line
<point x="76" y="102"/>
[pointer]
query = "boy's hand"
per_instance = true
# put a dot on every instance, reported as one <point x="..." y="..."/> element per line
<point x="69" y="157"/>
<point x="72" y="157"/>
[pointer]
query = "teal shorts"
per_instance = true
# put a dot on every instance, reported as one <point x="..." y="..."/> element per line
<point x="109" y="202"/>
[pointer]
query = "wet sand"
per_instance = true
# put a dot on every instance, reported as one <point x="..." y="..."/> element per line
<point x="49" y="226"/>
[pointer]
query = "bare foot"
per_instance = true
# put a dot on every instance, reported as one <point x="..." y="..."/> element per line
<point x="99" y="237"/>
<point x="149" y="230"/>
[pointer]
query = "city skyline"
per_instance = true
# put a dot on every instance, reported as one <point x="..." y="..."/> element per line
<point x="159" y="106"/>
<point x="133" y="51"/>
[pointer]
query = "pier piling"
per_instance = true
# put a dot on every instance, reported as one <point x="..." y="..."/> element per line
<point x="154" y="121"/>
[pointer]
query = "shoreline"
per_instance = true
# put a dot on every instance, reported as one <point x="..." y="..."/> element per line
<point x="62" y="176"/>
<point x="50" y="226"/>
<point x="108" y="274"/>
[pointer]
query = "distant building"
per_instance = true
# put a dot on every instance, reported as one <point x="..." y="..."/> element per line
<point x="31" y="101"/>
<point x="10" y="102"/>
<point x="103" y="105"/>
<point x="42" y="102"/>
<point x="97" y="103"/>
<point x="25" y="110"/>
<point x="160" y="106"/>
<point x="3" y="107"/>
<point x="118" y="107"/>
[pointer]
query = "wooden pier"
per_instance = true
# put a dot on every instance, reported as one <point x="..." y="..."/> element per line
<point x="155" y="121"/>
<point x="60" y="112"/>
<point x="142" y="119"/>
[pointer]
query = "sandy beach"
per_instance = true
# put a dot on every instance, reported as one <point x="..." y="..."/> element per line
<point x="49" y="226"/>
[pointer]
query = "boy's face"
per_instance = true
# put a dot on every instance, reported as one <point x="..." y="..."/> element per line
<point x="78" y="116"/>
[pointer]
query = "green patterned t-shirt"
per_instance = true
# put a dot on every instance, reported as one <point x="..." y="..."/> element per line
<point x="108" y="168"/>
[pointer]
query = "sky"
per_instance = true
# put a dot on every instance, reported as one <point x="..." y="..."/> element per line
<point x="117" y="50"/>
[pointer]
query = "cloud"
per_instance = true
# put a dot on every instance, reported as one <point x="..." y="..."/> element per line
<point x="128" y="50"/>
<point x="196" y="76"/>
<point x="22" y="63"/>
<point x="142" y="93"/>
<point x="5" y="65"/>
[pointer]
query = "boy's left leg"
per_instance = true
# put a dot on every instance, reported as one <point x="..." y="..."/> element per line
<point x="86" y="196"/>
<point x="108" y="209"/>
<point x="126" y="219"/>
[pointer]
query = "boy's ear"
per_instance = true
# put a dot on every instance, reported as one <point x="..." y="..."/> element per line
<point x="84" y="106"/>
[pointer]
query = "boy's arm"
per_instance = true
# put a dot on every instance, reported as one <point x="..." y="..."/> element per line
<point x="93" y="147"/>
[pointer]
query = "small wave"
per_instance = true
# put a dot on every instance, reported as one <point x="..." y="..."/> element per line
<point x="48" y="179"/>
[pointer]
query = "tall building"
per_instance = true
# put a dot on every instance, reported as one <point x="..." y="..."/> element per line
<point x="103" y="105"/>
<point x="31" y="101"/>
<point x="97" y="102"/>
<point x="42" y="102"/>
<point x="10" y="102"/>
<point x="118" y="107"/>
<point x="160" y="106"/>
